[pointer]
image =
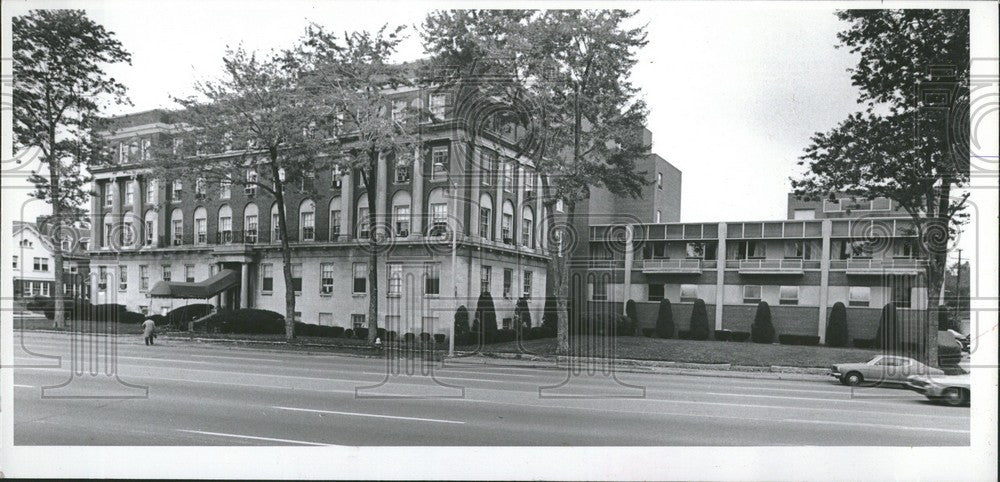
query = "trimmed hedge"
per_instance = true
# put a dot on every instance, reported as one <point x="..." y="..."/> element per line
<point x="762" y="331"/>
<point x="440" y="338"/>
<point x="179" y="317"/>
<point x="361" y="333"/>
<point x="409" y="338"/>
<point x="739" y="336"/>
<point x="539" y="332"/>
<point x="836" y="326"/>
<point x="865" y="343"/>
<point x="887" y="329"/>
<point x="425" y="337"/>
<point x="665" y="320"/>
<point x="723" y="335"/>
<point x="649" y="332"/>
<point x="504" y="335"/>
<point x="245" y="321"/>
<point x="549" y="313"/>
<point x="803" y="340"/>
<point x="309" y="329"/>
<point x="699" y="321"/>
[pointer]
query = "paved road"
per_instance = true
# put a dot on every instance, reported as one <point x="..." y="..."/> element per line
<point x="218" y="395"/>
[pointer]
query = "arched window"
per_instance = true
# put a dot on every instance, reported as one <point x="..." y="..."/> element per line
<point x="109" y="227"/>
<point x="486" y="216"/>
<point x="507" y="223"/>
<point x="275" y="224"/>
<point x="401" y="214"/>
<point x="150" y="225"/>
<point x="307" y="220"/>
<point x="250" y="223"/>
<point x="335" y="218"/>
<point x="200" y="225"/>
<point x="528" y="227"/>
<point x="128" y="228"/>
<point x="177" y="227"/>
<point x="438" y="203"/>
<point x="224" y="233"/>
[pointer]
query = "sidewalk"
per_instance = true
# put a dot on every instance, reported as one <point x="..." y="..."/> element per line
<point x="465" y="358"/>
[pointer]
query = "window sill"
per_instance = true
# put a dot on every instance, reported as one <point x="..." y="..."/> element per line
<point x="393" y="295"/>
<point x="359" y="295"/>
<point x="433" y="297"/>
<point x="266" y="293"/>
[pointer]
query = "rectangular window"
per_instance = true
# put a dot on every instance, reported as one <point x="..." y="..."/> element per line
<point x="109" y="199"/>
<point x="129" y="193"/>
<point x="526" y="291"/>
<point x="489" y="167"/>
<point x="326" y="278"/>
<point x="403" y="172"/>
<point x="432" y="278"/>
<point x="275" y="228"/>
<point x="401" y="215"/>
<point x="250" y="226"/>
<point x="143" y="277"/>
<point x="45" y="288"/>
<point x="508" y="176"/>
<point x="151" y="192"/>
<point x="189" y="273"/>
<point x="859" y="296"/>
<point x="788" y="295"/>
<point x="395" y="279"/>
<point x="600" y="289"/>
<point x="149" y="233"/>
<point x="297" y="278"/>
<point x="689" y="293"/>
<point x="527" y="232"/>
<point x="486" y="222"/>
<point x="439" y="163"/>
<point x="166" y="272"/>
<point x="199" y="188"/>
<point x="505" y="228"/>
<point x="122" y="278"/>
<point x="225" y="189"/>
<point x="438" y="105"/>
<point x="147" y="149"/>
<point x="102" y="279"/>
<point x="399" y="111"/>
<point x="751" y="294"/>
<point x="201" y="230"/>
<point x="177" y="226"/>
<point x="364" y="225"/>
<point x="798" y="250"/>
<point x="267" y="277"/>
<point x="308" y="226"/>
<point x="659" y="180"/>
<point x="178" y="188"/>
<point x="336" y="178"/>
<point x="748" y="250"/>
<point x="334" y="224"/>
<point x="508" y="280"/>
<point x="358" y="320"/>
<point x="325" y="319"/>
<point x="226" y="229"/>
<point x="360" y="278"/>
<point x="485" y="278"/>
<point x="439" y="219"/>
<point x="655" y="292"/>
<point x="41" y="264"/>
<point x="15" y="262"/>
<point x="250" y="189"/>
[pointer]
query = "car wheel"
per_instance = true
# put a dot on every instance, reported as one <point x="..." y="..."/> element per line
<point x="953" y="396"/>
<point x="853" y="379"/>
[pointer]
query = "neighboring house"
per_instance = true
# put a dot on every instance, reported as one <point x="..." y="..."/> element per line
<point x="33" y="261"/>
<point x="185" y="233"/>
<point x="800" y="266"/>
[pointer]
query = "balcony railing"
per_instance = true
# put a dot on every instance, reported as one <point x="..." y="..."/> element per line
<point x="771" y="266"/>
<point x="879" y="266"/>
<point x="680" y="266"/>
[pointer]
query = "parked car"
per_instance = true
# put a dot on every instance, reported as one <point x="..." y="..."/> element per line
<point x="954" y="390"/>
<point x="881" y="369"/>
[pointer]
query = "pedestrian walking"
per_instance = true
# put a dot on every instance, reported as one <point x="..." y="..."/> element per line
<point x="149" y="330"/>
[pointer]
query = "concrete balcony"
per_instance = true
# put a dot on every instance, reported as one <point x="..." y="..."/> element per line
<point x="862" y="267"/>
<point x="670" y="266"/>
<point x="771" y="266"/>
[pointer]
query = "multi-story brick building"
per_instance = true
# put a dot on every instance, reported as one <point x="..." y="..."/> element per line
<point x="800" y="266"/>
<point x="150" y="230"/>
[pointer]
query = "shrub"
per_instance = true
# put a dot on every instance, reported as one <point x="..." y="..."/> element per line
<point x="683" y="335"/>
<point x="380" y="332"/>
<point x="361" y="333"/>
<point x="722" y="335"/>
<point x="649" y="332"/>
<point x="550" y="316"/>
<point x="159" y="320"/>
<point x="132" y="318"/>
<point x="440" y="338"/>
<point x="739" y="336"/>
<point x="348" y="333"/>
<point x="632" y="312"/>
<point x="390" y="336"/>
<point x="665" y="320"/>
<point x="804" y="340"/>
<point x="309" y="329"/>
<point x="762" y="331"/>
<point x="245" y="320"/>
<point x="540" y="332"/>
<point x="836" y="326"/>
<point x="886" y="334"/>
<point x="425" y="337"/>
<point x="623" y="326"/>
<point x="179" y="317"/>
<point x="107" y="312"/>
<point x="522" y="317"/>
<point x="944" y="320"/>
<point x="461" y="322"/>
<point x="409" y="338"/>
<point x="504" y="335"/>
<point x="699" y="321"/>
<point x="487" y="316"/>
<point x="865" y="343"/>
<point x="949" y="354"/>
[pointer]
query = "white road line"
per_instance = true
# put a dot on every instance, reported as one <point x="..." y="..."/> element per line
<point x="23" y="386"/>
<point x="251" y="437"/>
<point x="841" y="400"/>
<point x="258" y="359"/>
<point x="355" y="414"/>
<point x="875" y="425"/>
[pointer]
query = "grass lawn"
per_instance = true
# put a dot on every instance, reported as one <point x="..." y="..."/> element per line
<point x="41" y="323"/>
<point x="690" y="351"/>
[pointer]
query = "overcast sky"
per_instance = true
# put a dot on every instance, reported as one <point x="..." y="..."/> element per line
<point x="734" y="91"/>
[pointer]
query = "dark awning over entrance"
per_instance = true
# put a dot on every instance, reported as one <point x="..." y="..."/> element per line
<point x="222" y="281"/>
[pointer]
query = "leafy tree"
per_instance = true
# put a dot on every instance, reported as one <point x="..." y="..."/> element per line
<point x="255" y="126"/>
<point x="632" y="312"/>
<point x="762" y="331"/>
<point x="486" y="316"/>
<point x="461" y="323"/>
<point x="522" y="316"/>
<point x="665" y="320"/>
<point x="355" y="75"/>
<point x="59" y="90"/>
<point x="699" y="320"/>
<point x="836" y="326"/>
<point x="911" y="142"/>
<point x="583" y="119"/>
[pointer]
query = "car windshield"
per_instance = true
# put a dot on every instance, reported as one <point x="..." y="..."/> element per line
<point x="874" y="359"/>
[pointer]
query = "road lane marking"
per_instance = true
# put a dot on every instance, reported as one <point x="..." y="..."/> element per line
<point x="251" y="437"/>
<point x="873" y="425"/>
<point x="16" y="385"/>
<point x="258" y="359"/>
<point x="368" y="415"/>
<point x="849" y="400"/>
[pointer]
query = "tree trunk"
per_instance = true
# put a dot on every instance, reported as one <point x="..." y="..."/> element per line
<point x="286" y="251"/>
<point x="562" y="285"/>
<point x="55" y="231"/>
<point x="371" y="192"/>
